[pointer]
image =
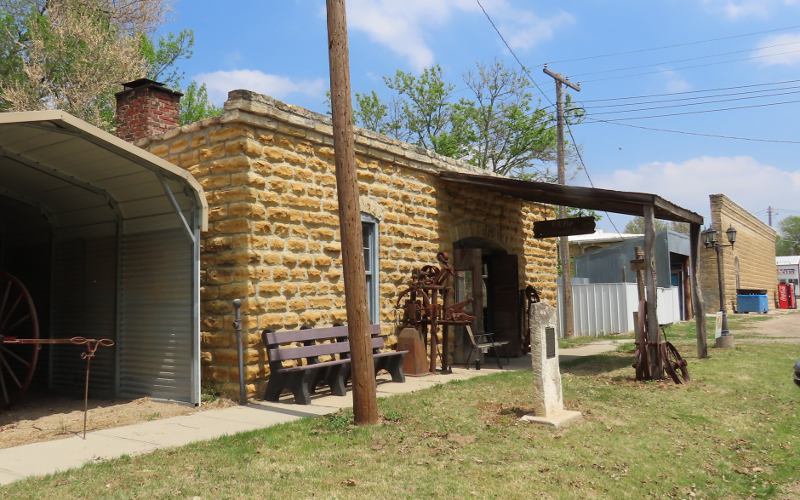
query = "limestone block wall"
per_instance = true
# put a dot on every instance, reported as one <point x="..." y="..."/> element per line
<point x="273" y="240"/>
<point x="752" y="258"/>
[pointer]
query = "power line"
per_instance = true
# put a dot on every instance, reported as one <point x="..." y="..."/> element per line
<point x="696" y="58"/>
<point x="665" y="94"/>
<point x="691" y="66"/>
<point x="699" y="134"/>
<point x="530" y="77"/>
<point x="682" y="99"/>
<point x="686" y="105"/>
<point x="671" y="46"/>
<point x="683" y="113"/>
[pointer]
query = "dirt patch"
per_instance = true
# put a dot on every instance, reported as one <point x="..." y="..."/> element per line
<point x="44" y="419"/>
<point x="783" y="327"/>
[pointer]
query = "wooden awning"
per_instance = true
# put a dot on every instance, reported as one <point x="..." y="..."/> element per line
<point x="622" y="202"/>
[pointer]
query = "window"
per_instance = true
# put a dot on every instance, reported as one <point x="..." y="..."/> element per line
<point x="369" y="233"/>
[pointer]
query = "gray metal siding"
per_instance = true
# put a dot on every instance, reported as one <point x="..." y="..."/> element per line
<point x="83" y="305"/>
<point x="155" y="348"/>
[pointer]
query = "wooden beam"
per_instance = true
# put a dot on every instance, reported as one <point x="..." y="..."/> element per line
<point x="697" y="295"/>
<point x="653" y="332"/>
<point x="365" y="406"/>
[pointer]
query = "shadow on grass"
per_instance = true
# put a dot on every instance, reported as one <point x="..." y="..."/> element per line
<point x="593" y="365"/>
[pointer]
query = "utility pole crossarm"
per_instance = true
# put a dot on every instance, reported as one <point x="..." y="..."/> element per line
<point x="561" y="78"/>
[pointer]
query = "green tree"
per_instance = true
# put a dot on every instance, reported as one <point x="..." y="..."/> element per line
<point x="636" y="225"/>
<point x="161" y="57"/>
<point x="427" y="115"/>
<point x="788" y="242"/>
<point x="195" y="104"/>
<point x="70" y="55"/>
<point x="511" y="135"/>
<point x="497" y="127"/>
<point x="73" y="55"/>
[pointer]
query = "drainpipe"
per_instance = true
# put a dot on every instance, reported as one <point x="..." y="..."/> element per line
<point x="237" y="325"/>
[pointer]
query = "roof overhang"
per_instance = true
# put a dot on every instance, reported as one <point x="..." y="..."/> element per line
<point x="80" y="175"/>
<point x="587" y="198"/>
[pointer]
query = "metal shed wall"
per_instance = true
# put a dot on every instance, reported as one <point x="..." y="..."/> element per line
<point x="83" y="304"/>
<point x="155" y="347"/>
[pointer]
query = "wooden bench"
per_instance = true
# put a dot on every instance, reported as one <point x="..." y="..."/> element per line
<point x="309" y="372"/>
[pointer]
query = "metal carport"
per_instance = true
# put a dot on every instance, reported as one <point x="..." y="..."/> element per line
<point x="121" y="232"/>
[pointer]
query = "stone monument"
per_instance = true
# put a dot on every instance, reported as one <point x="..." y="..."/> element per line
<point x="548" y="401"/>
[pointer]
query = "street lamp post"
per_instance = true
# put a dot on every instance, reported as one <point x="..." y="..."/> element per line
<point x="710" y="241"/>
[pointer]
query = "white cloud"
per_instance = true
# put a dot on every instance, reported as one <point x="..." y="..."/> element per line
<point x="524" y="29"/>
<point x="675" y="82"/>
<point x="742" y="9"/>
<point x="219" y="83"/>
<point x="779" y="50"/>
<point x="405" y="27"/>
<point x="745" y="180"/>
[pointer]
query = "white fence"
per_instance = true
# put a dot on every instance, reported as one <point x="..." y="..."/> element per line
<point x="605" y="308"/>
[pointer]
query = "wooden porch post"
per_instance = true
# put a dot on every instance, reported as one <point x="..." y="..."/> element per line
<point x="653" y="333"/>
<point x="365" y="406"/>
<point x="697" y="296"/>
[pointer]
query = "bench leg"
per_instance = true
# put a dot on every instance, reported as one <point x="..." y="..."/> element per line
<point x="336" y="380"/>
<point x="395" y="368"/>
<point x="299" y="386"/>
<point x="275" y="386"/>
<point x="380" y="364"/>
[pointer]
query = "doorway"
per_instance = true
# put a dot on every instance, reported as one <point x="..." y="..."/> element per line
<point x="488" y="274"/>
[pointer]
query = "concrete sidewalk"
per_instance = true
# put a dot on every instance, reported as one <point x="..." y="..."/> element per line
<point x="53" y="456"/>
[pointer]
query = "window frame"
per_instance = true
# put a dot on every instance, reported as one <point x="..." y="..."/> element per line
<point x="371" y="268"/>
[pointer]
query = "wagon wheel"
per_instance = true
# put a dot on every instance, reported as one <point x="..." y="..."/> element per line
<point x="18" y="320"/>
<point x="676" y="366"/>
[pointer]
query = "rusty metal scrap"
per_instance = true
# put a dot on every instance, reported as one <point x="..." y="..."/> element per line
<point x="427" y="304"/>
<point x="18" y="312"/>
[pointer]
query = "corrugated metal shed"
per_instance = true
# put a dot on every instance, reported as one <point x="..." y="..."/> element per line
<point x="83" y="177"/>
<point x="124" y="227"/>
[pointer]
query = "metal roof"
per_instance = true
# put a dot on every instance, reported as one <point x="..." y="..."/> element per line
<point x="622" y="202"/>
<point x="80" y="176"/>
<point x="787" y="260"/>
<point x="601" y="237"/>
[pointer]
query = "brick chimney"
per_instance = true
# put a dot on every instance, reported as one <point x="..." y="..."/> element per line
<point x="146" y="108"/>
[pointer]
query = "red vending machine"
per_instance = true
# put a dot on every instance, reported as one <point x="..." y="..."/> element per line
<point x="786" y="298"/>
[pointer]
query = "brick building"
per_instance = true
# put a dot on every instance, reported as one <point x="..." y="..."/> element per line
<point x="749" y="264"/>
<point x="267" y="170"/>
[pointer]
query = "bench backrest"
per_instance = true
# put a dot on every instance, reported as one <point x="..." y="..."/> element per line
<point x="317" y="342"/>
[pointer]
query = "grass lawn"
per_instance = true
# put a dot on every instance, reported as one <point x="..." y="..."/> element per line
<point x="733" y="432"/>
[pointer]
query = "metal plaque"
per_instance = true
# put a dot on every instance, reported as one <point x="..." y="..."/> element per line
<point x="550" y="341"/>
<point x="563" y="227"/>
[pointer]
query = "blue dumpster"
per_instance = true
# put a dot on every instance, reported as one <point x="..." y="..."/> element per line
<point x="751" y="300"/>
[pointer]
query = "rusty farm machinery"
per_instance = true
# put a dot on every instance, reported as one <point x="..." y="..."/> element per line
<point x="20" y="343"/>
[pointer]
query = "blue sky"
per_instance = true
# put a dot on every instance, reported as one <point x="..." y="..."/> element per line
<point x="279" y="48"/>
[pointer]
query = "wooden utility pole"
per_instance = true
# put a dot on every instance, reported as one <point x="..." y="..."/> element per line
<point x="697" y="296"/>
<point x="365" y="406"/>
<point x="563" y="244"/>
<point x="654" y="358"/>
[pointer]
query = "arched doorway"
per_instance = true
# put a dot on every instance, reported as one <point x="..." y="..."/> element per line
<point x="488" y="274"/>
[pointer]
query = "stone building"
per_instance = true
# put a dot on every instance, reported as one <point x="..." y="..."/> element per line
<point x="267" y="170"/>
<point x="749" y="264"/>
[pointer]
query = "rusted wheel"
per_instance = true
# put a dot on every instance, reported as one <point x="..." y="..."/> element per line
<point x="18" y="320"/>
<point x="675" y="365"/>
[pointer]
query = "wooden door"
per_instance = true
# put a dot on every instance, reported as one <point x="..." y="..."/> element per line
<point x="504" y="302"/>
<point x="468" y="285"/>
